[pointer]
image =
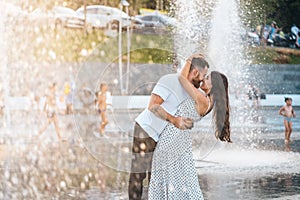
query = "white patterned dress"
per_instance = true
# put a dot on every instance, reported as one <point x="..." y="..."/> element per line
<point x="173" y="174"/>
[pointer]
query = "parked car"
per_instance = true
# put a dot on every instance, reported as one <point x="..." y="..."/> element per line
<point x="155" y="23"/>
<point x="137" y="23"/>
<point x="67" y="17"/>
<point x="57" y="17"/>
<point x="105" y="17"/>
<point x="157" y="20"/>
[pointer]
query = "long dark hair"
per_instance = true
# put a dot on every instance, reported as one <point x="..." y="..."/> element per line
<point x="219" y="92"/>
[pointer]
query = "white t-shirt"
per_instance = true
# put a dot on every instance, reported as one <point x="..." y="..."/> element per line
<point x="173" y="94"/>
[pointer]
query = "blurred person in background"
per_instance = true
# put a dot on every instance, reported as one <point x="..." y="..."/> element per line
<point x="295" y="32"/>
<point x="51" y="110"/>
<point x="68" y="92"/>
<point x="288" y="114"/>
<point x="102" y="106"/>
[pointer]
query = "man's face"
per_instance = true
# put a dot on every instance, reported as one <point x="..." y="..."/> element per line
<point x="199" y="75"/>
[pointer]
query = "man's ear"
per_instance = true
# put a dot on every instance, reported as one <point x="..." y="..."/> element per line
<point x="195" y="72"/>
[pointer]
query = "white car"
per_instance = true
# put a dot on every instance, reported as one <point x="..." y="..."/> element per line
<point x="99" y="16"/>
<point x="59" y="17"/>
<point x="67" y="17"/>
<point x="157" y="20"/>
<point x="155" y="23"/>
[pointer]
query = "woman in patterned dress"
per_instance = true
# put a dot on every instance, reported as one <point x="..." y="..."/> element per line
<point x="173" y="174"/>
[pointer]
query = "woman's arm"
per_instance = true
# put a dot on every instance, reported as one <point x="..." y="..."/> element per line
<point x="186" y="84"/>
<point x="196" y="95"/>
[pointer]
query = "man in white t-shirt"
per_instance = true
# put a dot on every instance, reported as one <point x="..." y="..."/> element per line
<point x="165" y="98"/>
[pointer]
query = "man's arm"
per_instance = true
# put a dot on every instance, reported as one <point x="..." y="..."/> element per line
<point x="156" y="109"/>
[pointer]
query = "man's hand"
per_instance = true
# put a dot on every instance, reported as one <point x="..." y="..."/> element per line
<point x="183" y="123"/>
<point x="180" y="122"/>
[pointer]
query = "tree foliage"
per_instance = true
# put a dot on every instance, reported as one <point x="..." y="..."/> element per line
<point x="254" y="12"/>
<point x="284" y="12"/>
<point x="134" y="7"/>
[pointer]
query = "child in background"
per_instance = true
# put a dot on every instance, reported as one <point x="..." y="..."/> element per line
<point x="68" y="98"/>
<point x="102" y="106"/>
<point x="51" y="111"/>
<point x="288" y="113"/>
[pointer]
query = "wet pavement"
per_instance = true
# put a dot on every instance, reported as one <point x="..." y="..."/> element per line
<point x="89" y="166"/>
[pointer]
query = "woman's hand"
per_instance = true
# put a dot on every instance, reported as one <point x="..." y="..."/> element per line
<point x="197" y="55"/>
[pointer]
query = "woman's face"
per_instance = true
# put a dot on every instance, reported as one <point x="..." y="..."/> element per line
<point x="206" y="85"/>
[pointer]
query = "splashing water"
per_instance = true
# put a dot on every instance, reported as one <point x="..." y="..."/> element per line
<point x="237" y="160"/>
<point x="4" y="61"/>
<point x="206" y="26"/>
<point x="191" y="33"/>
<point x="215" y="29"/>
<point x="225" y="48"/>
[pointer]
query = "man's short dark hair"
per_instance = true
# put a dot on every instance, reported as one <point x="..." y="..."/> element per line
<point x="199" y="63"/>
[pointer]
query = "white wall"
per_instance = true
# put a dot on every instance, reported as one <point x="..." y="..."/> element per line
<point x="139" y="102"/>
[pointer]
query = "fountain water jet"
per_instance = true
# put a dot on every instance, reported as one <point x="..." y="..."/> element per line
<point x="4" y="62"/>
<point x="191" y="32"/>
<point x="219" y="35"/>
<point x="225" y="48"/>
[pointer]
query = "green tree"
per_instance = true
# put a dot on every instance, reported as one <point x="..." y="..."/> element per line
<point x="284" y="12"/>
<point x="134" y="7"/>
<point x="287" y="13"/>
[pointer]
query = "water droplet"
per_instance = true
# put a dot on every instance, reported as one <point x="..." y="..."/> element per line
<point x="63" y="185"/>
<point x="82" y="185"/>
